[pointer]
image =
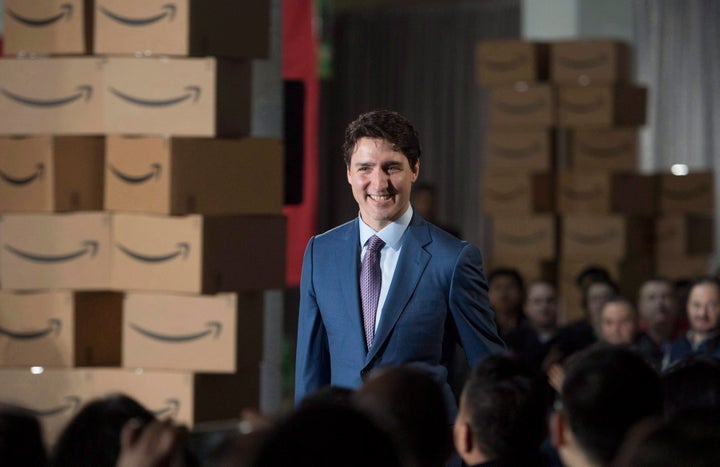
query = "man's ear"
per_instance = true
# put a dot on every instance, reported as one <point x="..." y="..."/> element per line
<point x="463" y="438"/>
<point x="558" y="427"/>
<point x="416" y="171"/>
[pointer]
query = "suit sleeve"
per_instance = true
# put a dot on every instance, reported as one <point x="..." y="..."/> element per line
<point x="312" y="359"/>
<point x="470" y="308"/>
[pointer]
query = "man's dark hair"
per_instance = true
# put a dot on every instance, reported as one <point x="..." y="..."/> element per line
<point x="590" y="273"/>
<point x="606" y="391"/>
<point x="692" y="383"/>
<point x="387" y="125"/>
<point x="506" y="407"/>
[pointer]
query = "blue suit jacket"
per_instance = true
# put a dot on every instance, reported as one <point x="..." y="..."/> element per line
<point x="438" y="295"/>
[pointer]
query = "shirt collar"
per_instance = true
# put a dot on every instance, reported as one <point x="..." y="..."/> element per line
<point x="391" y="234"/>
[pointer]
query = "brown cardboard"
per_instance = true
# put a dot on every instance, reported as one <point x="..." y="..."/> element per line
<point x="69" y="103"/>
<point x="201" y="333"/>
<point x="51" y="174"/>
<point x="694" y="192"/>
<point x="51" y="27"/>
<point x="524" y="193"/>
<point x="601" y="106"/>
<point x="177" y="96"/>
<point x="194" y="175"/>
<point x="197" y="254"/>
<point x="532" y="237"/>
<point x="613" y="149"/>
<point x="62" y="329"/>
<point x="681" y="235"/>
<point x="183" y="27"/>
<point x="511" y="151"/>
<point x="684" y="267"/>
<point x="609" y="236"/>
<point x="589" y="62"/>
<point x="508" y="61"/>
<point x="55" y="251"/>
<point x="602" y="192"/>
<point x="522" y="106"/>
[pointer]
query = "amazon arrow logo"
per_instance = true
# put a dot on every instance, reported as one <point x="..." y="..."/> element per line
<point x="183" y="249"/>
<point x="214" y="328"/>
<point x="522" y="239"/>
<point x="583" y="107"/>
<point x="84" y="92"/>
<point x="590" y="239"/>
<point x="583" y="63"/>
<point x="89" y="247"/>
<point x="66" y="11"/>
<point x="168" y="12"/>
<point x="521" y="109"/>
<point x="582" y="195"/>
<point x="136" y="179"/>
<point x="54" y="325"/>
<point x="516" y="153"/>
<point x="71" y="405"/>
<point x="172" y="408"/>
<point x="19" y="181"/>
<point x="507" y="195"/>
<point x="505" y="65"/>
<point x="192" y="92"/>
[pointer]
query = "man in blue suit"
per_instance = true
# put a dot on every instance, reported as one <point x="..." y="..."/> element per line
<point x="432" y="290"/>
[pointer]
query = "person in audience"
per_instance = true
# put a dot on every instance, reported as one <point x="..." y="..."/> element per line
<point x="658" y="309"/>
<point x="606" y="391"/>
<point x="410" y="406"/>
<point x="152" y="444"/>
<point x="502" y="417"/>
<point x="703" y="312"/>
<point x="21" y="439"/>
<point x="618" y="322"/>
<point x="507" y="294"/>
<point x="692" y="383"/>
<point x="532" y="339"/>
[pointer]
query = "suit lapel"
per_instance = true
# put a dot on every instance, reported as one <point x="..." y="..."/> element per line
<point x="348" y="276"/>
<point x="410" y="267"/>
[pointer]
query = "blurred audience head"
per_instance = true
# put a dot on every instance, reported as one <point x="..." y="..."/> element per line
<point x="541" y="305"/>
<point x="21" y="439"/>
<point x="658" y="308"/>
<point x="703" y="306"/>
<point x="595" y="293"/>
<point x="618" y="321"/>
<point x="692" y="383"/>
<point x="506" y="292"/>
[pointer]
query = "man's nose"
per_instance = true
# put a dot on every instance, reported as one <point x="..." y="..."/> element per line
<point x="379" y="179"/>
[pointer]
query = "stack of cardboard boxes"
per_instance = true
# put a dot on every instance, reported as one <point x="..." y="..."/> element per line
<point x="140" y="223"/>
<point x="562" y="146"/>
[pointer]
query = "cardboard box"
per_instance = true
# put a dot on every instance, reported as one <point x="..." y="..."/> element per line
<point x="606" y="236"/>
<point x="70" y="103"/>
<point x="186" y="397"/>
<point x="526" y="193"/>
<point x="601" y="106"/>
<point x="55" y="251"/>
<point x="530" y="270"/>
<point x="198" y="254"/>
<point x="522" y="106"/>
<point x="692" y="193"/>
<point x="49" y="174"/>
<point x="509" y="61"/>
<point x="194" y="175"/>
<point x="589" y="62"/>
<point x="54" y="396"/>
<point x="184" y="27"/>
<point x="512" y="151"/>
<point x="63" y="329"/>
<point x="212" y="334"/>
<point x="532" y="237"/>
<point x="50" y="27"/>
<point x="178" y="96"/>
<point x="683" y="267"/>
<point x="603" y="192"/>
<point x="681" y="235"/>
<point x="613" y="149"/>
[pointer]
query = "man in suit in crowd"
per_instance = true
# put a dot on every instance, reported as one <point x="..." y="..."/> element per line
<point x="406" y="305"/>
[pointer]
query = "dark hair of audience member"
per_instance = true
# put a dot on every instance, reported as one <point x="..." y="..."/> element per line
<point x="607" y="390"/>
<point x="21" y="439"/>
<point x="92" y="437"/>
<point x="591" y="273"/>
<point x="512" y="273"/>
<point x="327" y="436"/>
<point x="410" y="406"/>
<point x="692" y="383"/>
<point x="507" y="406"/>
<point x="328" y="395"/>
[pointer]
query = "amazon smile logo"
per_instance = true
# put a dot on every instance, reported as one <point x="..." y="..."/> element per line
<point x="20" y="181"/>
<point x="183" y="249"/>
<point x="54" y="325"/>
<point x="167" y="11"/>
<point x="84" y="93"/>
<point x="214" y="329"/>
<point x="505" y="65"/>
<point x="582" y="194"/>
<point x="605" y="152"/>
<point x="171" y="409"/>
<point x="507" y="195"/>
<point x="515" y="239"/>
<point x="516" y="153"/>
<point x="66" y="10"/>
<point x="71" y="404"/>
<point x="136" y="179"/>
<point x="583" y="107"/>
<point x="192" y="92"/>
<point x="583" y="63"/>
<point x="593" y="239"/>
<point x="521" y="109"/>
<point x="89" y="247"/>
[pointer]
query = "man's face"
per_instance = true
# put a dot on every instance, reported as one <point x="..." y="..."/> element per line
<point x="381" y="181"/>
<point x="597" y="294"/>
<point x="658" y="307"/>
<point x="505" y="300"/>
<point x="541" y="305"/>
<point x="617" y="323"/>
<point x="703" y="307"/>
